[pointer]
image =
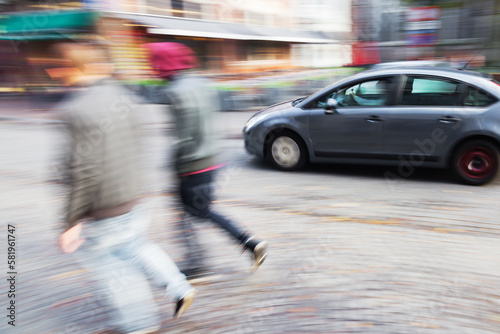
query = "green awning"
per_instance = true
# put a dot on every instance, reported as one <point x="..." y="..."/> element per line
<point x="44" y="25"/>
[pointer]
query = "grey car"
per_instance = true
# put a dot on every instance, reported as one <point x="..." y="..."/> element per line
<point x="405" y="116"/>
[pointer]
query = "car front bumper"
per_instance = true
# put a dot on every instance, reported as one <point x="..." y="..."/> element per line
<point x="253" y="145"/>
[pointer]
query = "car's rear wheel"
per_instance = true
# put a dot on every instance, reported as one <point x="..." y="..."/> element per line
<point x="287" y="151"/>
<point x="476" y="162"/>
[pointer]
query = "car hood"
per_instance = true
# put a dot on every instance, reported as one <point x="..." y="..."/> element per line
<point x="277" y="107"/>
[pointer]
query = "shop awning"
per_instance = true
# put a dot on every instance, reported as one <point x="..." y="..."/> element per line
<point x="174" y="26"/>
<point x="41" y="25"/>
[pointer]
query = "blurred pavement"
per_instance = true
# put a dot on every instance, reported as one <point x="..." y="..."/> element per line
<point x="350" y="253"/>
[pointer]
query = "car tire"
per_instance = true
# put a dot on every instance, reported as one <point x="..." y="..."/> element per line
<point x="476" y="162"/>
<point x="287" y="151"/>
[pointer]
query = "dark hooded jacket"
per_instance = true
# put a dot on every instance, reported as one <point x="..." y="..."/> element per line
<point x="193" y="102"/>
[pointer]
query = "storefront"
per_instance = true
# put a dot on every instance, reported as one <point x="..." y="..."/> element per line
<point x="26" y="47"/>
<point x="223" y="48"/>
<point x="227" y="48"/>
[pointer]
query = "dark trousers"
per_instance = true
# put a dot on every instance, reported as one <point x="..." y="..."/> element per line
<point x="196" y="194"/>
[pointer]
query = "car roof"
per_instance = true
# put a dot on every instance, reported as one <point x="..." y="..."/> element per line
<point x="471" y="77"/>
<point x="430" y="63"/>
<point x="468" y="76"/>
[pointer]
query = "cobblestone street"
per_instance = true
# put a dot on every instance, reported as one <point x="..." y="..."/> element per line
<point x="350" y="251"/>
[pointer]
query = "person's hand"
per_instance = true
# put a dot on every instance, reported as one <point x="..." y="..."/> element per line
<point x="353" y="99"/>
<point x="70" y="240"/>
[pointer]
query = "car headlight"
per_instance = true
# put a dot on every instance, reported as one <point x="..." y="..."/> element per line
<point x="252" y="121"/>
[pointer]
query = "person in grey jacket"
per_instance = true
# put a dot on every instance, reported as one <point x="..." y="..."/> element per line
<point x="105" y="220"/>
<point x="193" y="102"/>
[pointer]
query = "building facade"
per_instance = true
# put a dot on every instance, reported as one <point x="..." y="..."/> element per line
<point x="231" y="37"/>
<point x="457" y="31"/>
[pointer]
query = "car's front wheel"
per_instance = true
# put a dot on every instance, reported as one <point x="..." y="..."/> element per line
<point x="287" y="151"/>
<point x="476" y="162"/>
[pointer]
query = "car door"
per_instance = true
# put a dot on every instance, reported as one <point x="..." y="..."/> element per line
<point x="425" y="120"/>
<point x="354" y="128"/>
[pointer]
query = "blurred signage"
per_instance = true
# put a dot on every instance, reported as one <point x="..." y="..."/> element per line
<point x="101" y="4"/>
<point x="423" y="14"/>
<point x="422" y="39"/>
<point x="422" y="25"/>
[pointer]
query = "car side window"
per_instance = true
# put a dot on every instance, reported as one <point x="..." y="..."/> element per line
<point x="366" y="93"/>
<point x="420" y="91"/>
<point x="478" y="98"/>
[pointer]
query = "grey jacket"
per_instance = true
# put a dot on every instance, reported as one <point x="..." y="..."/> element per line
<point x="193" y="102"/>
<point x="105" y="156"/>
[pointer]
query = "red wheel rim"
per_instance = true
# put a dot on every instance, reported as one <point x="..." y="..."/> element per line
<point x="477" y="162"/>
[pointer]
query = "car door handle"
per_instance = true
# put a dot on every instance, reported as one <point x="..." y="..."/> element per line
<point x="374" y="119"/>
<point x="450" y="119"/>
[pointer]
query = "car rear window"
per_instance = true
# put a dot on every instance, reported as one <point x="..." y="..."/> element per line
<point x="430" y="86"/>
<point x="476" y="97"/>
<point x="430" y="91"/>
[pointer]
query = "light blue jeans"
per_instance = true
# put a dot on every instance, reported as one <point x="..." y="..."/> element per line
<point x="121" y="258"/>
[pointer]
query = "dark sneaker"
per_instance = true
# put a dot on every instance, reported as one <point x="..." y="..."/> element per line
<point x="259" y="251"/>
<point x="259" y="254"/>
<point x="198" y="275"/>
<point x="184" y="303"/>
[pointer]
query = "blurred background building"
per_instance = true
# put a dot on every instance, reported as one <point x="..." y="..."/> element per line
<point x="452" y="30"/>
<point x="231" y="37"/>
<point x="239" y="38"/>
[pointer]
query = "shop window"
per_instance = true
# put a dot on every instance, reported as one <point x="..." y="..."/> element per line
<point x="177" y="8"/>
<point x="192" y="10"/>
<point x="256" y="18"/>
<point x="238" y="16"/>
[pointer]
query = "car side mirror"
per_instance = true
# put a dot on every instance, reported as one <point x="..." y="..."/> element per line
<point x="331" y="105"/>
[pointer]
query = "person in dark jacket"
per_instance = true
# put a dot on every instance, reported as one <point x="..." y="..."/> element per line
<point x="193" y="102"/>
<point x="106" y="224"/>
